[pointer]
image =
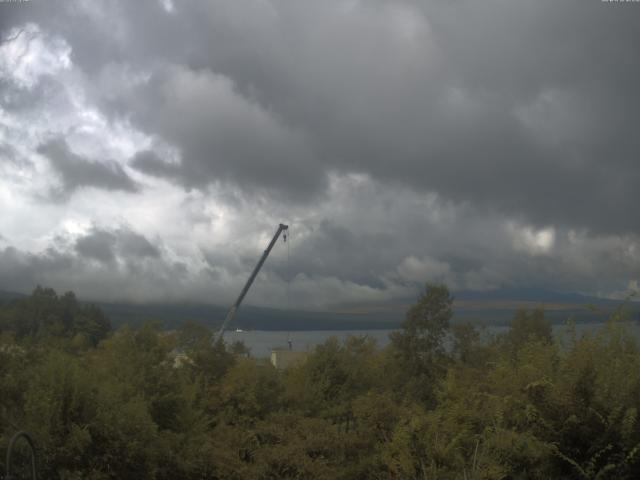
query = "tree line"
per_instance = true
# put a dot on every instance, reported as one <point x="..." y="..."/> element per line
<point x="439" y="402"/>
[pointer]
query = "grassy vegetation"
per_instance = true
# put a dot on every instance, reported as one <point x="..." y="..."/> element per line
<point x="106" y="404"/>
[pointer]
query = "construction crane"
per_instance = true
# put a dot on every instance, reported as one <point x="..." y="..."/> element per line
<point x="252" y="277"/>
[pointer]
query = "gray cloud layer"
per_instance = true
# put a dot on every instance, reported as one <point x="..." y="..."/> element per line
<point x="77" y="172"/>
<point x="526" y="107"/>
<point x="519" y="116"/>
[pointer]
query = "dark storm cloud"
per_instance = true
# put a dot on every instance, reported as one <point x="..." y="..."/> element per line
<point x="89" y="267"/>
<point x="333" y="249"/>
<point x="9" y="18"/>
<point x="222" y="136"/>
<point x="104" y="245"/>
<point x="527" y="108"/>
<point x="98" y="245"/>
<point x="77" y="172"/>
<point x="20" y="271"/>
<point x="132" y="244"/>
<point x="149" y="163"/>
<point x="8" y="154"/>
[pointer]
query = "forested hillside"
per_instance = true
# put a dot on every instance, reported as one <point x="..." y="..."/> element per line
<point x="105" y="404"/>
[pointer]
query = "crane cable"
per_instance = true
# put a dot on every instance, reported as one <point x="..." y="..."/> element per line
<point x="289" y="282"/>
<point x="289" y="271"/>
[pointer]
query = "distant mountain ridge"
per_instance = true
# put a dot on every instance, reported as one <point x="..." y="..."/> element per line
<point x="7" y="296"/>
<point x="532" y="295"/>
<point x="483" y="307"/>
<point x="248" y="317"/>
<point x="488" y="307"/>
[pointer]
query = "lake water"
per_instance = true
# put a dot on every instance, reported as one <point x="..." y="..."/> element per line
<point x="262" y="342"/>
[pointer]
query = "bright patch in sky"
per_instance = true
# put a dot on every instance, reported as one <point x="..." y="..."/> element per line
<point x="31" y="55"/>
<point x="532" y="241"/>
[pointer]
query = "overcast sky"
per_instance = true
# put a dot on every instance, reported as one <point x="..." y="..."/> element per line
<point x="149" y="148"/>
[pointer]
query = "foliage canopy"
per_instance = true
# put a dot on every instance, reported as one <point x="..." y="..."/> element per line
<point x="439" y="402"/>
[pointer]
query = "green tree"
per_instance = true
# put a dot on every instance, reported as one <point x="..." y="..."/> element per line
<point x="466" y="342"/>
<point x="418" y="347"/>
<point x="46" y="317"/>
<point x="529" y="326"/>
<point x="249" y="392"/>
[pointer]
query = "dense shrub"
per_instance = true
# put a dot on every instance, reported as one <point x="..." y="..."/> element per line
<point x="117" y="405"/>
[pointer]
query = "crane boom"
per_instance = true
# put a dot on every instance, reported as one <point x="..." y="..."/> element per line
<point x="252" y="277"/>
